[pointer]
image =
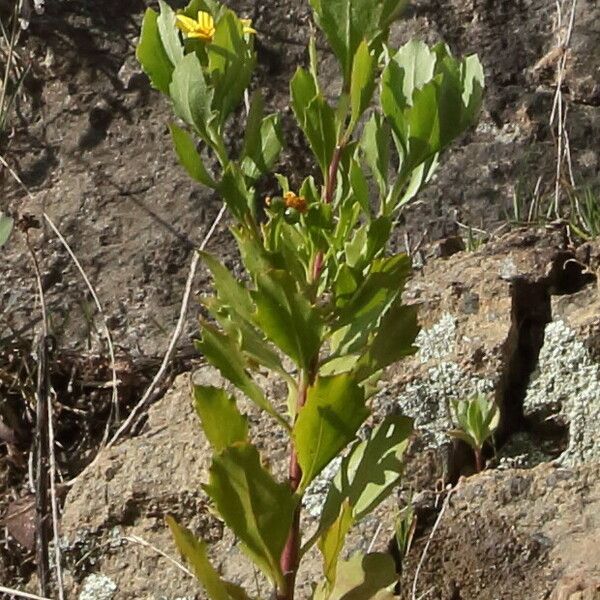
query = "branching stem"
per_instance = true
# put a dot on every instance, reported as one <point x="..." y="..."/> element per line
<point x="289" y="557"/>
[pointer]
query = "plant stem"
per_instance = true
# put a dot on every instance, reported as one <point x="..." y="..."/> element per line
<point x="289" y="557"/>
<point x="328" y="199"/>
<point x="479" y="460"/>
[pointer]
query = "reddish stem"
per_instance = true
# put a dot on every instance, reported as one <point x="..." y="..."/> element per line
<point x="479" y="460"/>
<point x="289" y="556"/>
<point x="328" y="199"/>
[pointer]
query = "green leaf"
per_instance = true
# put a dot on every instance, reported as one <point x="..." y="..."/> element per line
<point x="362" y="577"/>
<point x="215" y="407"/>
<point x="370" y="472"/>
<point x="362" y="83"/>
<point x="347" y="23"/>
<point x="393" y="341"/>
<point x="403" y="191"/>
<point x="234" y="310"/>
<point x="230" y="291"/>
<point x="169" y="33"/>
<point x="190" y="94"/>
<point x="417" y="65"/>
<point x="379" y="288"/>
<point x="235" y="193"/>
<point x="263" y="144"/>
<point x="360" y="187"/>
<point x="230" y="63"/>
<point x="189" y="157"/>
<point x="315" y="117"/>
<point x="224" y="353"/>
<point x="286" y="317"/>
<point x="194" y="551"/>
<point x="332" y="541"/>
<point x="459" y="434"/>
<point x="334" y="410"/>
<point x="258" y="509"/>
<point x="376" y="145"/>
<point x="6" y="225"/>
<point x="152" y="55"/>
<point x="359" y="316"/>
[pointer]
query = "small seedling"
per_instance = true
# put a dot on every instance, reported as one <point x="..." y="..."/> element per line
<point x="477" y="418"/>
<point x="404" y="529"/>
<point x="585" y="214"/>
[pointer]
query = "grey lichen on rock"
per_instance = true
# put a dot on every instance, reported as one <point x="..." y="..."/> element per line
<point x="567" y="382"/>
<point x="428" y="399"/>
<point x="98" y="587"/>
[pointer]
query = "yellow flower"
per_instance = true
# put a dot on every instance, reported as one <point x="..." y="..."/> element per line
<point x="296" y="202"/>
<point x="204" y="27"/>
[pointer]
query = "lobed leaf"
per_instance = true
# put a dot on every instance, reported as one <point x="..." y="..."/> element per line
<point x="346" y="23"/>
<point x="393" y="341"/>
<point x="286" y="317"/>
<point x="257" y="508"/>
<point x="223" y="352"/>
<point x="334" y="410"/>
<point x="222" y="422"/>
<point x="369" y="473"/>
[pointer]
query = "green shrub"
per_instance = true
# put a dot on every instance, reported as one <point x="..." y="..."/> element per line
<point x="321" y="308"/>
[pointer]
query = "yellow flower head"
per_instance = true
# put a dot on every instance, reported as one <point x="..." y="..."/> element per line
<point x="296" y="202"/>
<point x="204" y="27"/>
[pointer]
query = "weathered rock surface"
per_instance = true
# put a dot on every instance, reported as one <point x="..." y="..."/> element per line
<point x="515" y="535"/>
<point x="519" y="526"/>
<point x="486" y="316"/>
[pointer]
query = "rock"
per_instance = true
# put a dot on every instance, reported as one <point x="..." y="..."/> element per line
<point x="131" y="75"/>
<point x="124" y="496"/>
<point x="113" y="524"/>
<point x="486" y="317"/>
<point x="508" y="535"/>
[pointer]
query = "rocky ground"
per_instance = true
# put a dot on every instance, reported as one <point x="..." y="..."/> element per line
<point x="519" y="316"/>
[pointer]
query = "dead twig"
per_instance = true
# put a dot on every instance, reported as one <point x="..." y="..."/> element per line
<point x="54" y="504"/>
<point x="426" y="548"/>
<point x="41" y="480"/>
<point x="149" y="393"/>
<point x="45" y="455"/>
<point x="19" y="594"/>
<point x="142" y="542"/>
<point x="41" y="427"/>
<point x="559" y="107"/>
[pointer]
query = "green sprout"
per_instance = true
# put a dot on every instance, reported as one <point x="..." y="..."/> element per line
<point x="477" y="418"/>
<point x="404" y="529"/>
